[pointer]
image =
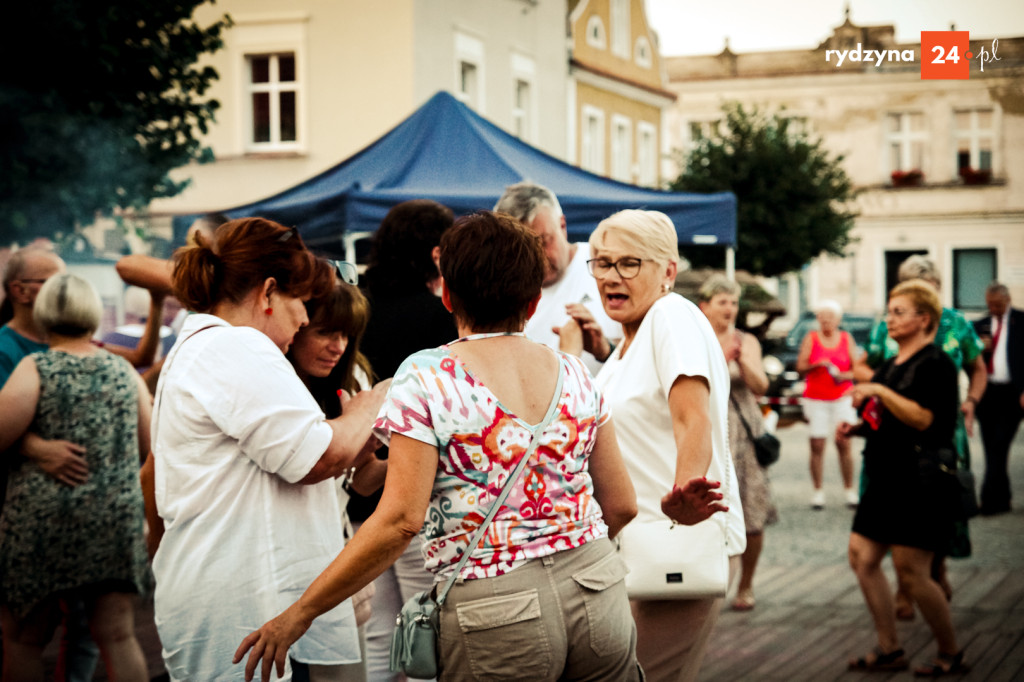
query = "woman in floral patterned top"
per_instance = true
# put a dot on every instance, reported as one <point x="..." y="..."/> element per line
<point x="542" y="595"/>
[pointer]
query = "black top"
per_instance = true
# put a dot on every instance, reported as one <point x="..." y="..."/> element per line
<point x="400" y="325"/>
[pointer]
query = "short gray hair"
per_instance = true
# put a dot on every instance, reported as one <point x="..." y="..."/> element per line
<point x="67" y="305"/>
<point x="523" y="199"/>
<point x="918" y="266"/>
<point x="718" y="284"/>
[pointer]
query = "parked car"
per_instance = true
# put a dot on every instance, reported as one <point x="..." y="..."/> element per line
<point x="785" y="383"/>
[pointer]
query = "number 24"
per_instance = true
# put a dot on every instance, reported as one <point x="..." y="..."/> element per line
<point x="953" y="55"/>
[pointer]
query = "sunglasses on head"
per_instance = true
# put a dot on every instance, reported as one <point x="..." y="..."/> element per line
<point x="347" y="272"/>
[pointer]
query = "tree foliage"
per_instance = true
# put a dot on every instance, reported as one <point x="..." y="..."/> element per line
<point x="793" y="197"/>
<point x="98" y="102"/>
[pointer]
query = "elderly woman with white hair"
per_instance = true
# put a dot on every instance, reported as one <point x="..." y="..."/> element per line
<point x="826" y="361"/>
<point x="668" y="385"/>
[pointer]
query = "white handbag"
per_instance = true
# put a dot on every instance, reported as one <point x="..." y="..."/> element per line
<point x="667" y="560"/>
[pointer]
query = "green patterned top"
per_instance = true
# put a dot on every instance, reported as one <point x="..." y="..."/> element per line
<point x="956" y="336"/>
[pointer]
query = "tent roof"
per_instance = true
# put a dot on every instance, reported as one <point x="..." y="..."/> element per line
<point x="446" y="152"/>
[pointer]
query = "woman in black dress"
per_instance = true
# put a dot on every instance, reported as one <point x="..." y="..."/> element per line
<point x="908" y="413"/>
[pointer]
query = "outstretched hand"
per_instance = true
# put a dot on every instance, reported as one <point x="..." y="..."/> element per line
<point x="694" y="502"/>
<point x="270" y="644"/>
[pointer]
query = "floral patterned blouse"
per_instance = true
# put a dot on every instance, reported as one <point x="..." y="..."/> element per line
<point x="435" y="400"/>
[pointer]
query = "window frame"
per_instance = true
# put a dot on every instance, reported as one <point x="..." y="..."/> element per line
<point x="469" y="51"/>
<point x="274" y="87"/>
<point x="591" y="148"/>
<point x="647" y="174"/>
<point x="905" y="137"/>
<point x="597" y="36"/>
<point x="621" y="132"/>
<point x="621" y="30"/>
<point x="974" y="136"/>
<point x="960" y="300"/>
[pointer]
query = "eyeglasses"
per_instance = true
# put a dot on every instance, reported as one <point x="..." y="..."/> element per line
<point x="902" y="312"/>
<point x="27" y="280"/>
<point x="347" y="272"/>
<point x="628" y="268"/>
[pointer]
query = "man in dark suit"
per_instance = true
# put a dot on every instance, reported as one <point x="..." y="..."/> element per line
<point x="1002" y="406"/>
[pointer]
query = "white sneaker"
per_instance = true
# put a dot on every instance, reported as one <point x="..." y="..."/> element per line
<point x="818" y="499"/>
<point x="852" y="499"/>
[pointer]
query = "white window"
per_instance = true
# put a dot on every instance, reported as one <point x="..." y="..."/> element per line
<point x="973" y="270"/>
<point x="646" y="154"/>
<point x="524" y="117"/>
<point x="273" y="97"/>
<point x="905" y="140"/>
<point x="620" y="28"/>
<point x="975" y="134"/>
<point x="469" y="71"/>
<point x="592" y="140"/>
<point x="622" y="148"/>
<point x="595" y="33"/>
<point x="521" y="109"/>
<point x="642" y="52"/>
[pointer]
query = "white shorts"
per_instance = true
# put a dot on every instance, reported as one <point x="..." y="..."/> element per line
<point x="824" y="415"/>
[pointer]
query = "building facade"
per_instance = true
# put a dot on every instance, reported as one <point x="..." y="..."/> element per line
<point x="617" y="93"/>
<point x="304" y="86"/>
<point x="938" y="163"/>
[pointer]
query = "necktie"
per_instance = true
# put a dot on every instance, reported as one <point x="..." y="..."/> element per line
<point x="995" y="341"/>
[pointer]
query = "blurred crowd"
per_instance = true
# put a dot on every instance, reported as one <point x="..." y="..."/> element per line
<point x="308" y="447"/>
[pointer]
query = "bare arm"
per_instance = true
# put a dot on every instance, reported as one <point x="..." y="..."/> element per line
<point x="370" y="477"/>
<point x="143" y="353"/>
<point x="906" y="410"/>
<point x="154" y="523"/>
<point x="692" y="497"/>
<point x="18" y="401"/>
<point x="978" y="375"/>
<point x="803" y="360"/>
<point x="750" y="365"/>
<point x="594" y="340"/>
<point x="689" y="402"/>
<point x="146" y="272"/>
<point x="378" y="543"/>
<point x="613" y="489"/>
<point x="61" y="460"/>
<point x="145" y="417"/>
<point x="353" y="437"/>
<point x="862" y="371"/>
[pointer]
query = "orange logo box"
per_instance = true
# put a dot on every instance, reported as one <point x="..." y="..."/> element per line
<point x="945" y="55"/>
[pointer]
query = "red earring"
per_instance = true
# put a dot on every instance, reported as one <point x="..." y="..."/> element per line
<point x="269" y="311"/>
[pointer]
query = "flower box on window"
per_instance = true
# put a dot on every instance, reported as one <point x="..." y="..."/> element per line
<point x="975" y="177"/>
<point x="910" y="178"/>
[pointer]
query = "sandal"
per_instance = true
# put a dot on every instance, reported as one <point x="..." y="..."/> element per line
<point x="944" y="664"/>
<point x="744" y="601"/>
<point x="878" y="661"/>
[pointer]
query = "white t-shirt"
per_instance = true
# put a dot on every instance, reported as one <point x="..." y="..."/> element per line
<point x="674" y="339"/>
<point x="576" y="286"/>
<point x="234" y="429"/>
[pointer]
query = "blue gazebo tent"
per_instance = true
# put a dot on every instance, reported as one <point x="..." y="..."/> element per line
<point x="446" y="152"/>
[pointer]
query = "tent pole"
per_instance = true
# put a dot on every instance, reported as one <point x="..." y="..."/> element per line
<point x="730" y="263"/>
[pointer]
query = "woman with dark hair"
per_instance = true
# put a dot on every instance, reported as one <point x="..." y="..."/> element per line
<point x="60" y="544"/>
<point x="244" y="457"/>
<point x="403" y="286"/>
<point x="542" y="595"/>
<point x="908" y="412"/>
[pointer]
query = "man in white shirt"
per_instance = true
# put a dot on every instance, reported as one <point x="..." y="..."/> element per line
<point x="567" y="281"/>
<point x="1002" y="405"/>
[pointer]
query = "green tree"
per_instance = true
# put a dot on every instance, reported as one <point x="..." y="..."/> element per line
<point x="793" y="197"/>
<point x="98" y="102"/>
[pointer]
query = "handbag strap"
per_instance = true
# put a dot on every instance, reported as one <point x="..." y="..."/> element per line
<point x="739" y="413"/>
<point x="158" y="399"/>
<point x="536" y="431"/>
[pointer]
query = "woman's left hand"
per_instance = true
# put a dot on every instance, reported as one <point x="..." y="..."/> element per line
<point x="861" y="392"/>
<point x="270" y="643"/>
<point x="694" y="502"/>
